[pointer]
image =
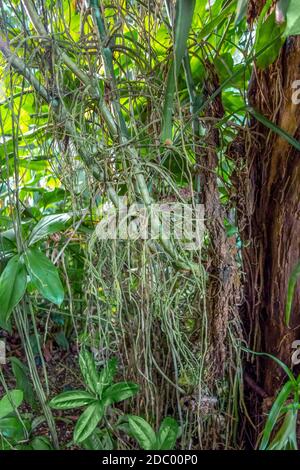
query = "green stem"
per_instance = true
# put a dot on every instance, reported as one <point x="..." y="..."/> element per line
<point x="84" y="78"/>
<point x="20" y="67"/>
<point x="130" y="151"/>
<point x="107" y="55"/>
<point x="23" y="328"/>
<point x="183" y="21"/>
<point x="123" y="133"/>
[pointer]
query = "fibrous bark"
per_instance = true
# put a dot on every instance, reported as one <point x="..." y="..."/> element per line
<point x="269" y="198"/>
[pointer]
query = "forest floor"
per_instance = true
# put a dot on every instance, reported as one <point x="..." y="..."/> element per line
<point x="63" y="374"/>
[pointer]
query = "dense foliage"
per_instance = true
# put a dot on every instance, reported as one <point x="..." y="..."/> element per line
<point x="147" y="101"/>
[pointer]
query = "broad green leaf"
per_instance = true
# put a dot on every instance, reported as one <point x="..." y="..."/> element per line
<point x="41" y="443"/>
<point x="167" y="434"/>
<point x="71" y="399"/>
<point x="216" y="21"/>
<point x="199" y="14"/>
<point x="44" y="275"/>
<point x="48" y="225"/>
<point x="224" y="66"/>
<point x="88" y="421"/>
<point x="10" y="402"/>
<point x="290" y="292"/>
<point x="119" y="392"/>
<point x="292" y="18"/>
<point x="8" y="242"/>
<point x="98" y="440"/>
<point x="142" y="432"/>
<point x="88" y="370"/>
<point x="21" y="374"/>
<point x="92" y="442"/>
<point x="241" y="11"/>
<point x="106" y="375"/>
<point x="12" y="428"/>
<point x="269" y="33"/>
<point x="13" y="282"/>
<point x="275" y="412"/>
<point x="281" y="10"/>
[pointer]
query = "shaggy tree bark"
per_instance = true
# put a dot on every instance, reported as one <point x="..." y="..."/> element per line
<point x="269" y="195"/>
<point x="223" y="288"/>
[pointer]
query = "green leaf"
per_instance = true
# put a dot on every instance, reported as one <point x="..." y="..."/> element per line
<point x="62" y="340"/>
<point x="12" y="428"/>
<point x="44" y="276"/>
<point x="98" y="440"/>
<point x="292" y="18"/>
<point x="281" y="10"/>
<point x="241" y="11"/>
<point x="48" y="225"/>
<point x="290" y="292"/>
<point x="41" y="443"/>
<point x="142" y="432"/>
<point x="119" y="392"/>
<point x="275" y="413"/>
<point x="285" y="135"/>
<point x="21" y="373"/>
<point x="93" y="442"/>
<point x="88" y="370"/>
<point x="286" y="369"/>
<point x="88" y="421"/>
<point x="106" y="375"/>
<point x="183" y="21"/>
<point x="286" y="438"/>
<point x="8" y="245"/>
<point x="71" y="399"/>
<point x="13" y="282"/>
<point x="10" y="402"/>
<point x="269" y="33"/>
<point x="216" y="21"/>
<point x="167" y="434"/>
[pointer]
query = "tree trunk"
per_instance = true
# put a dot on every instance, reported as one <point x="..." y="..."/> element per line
<point x="269" y="195"/>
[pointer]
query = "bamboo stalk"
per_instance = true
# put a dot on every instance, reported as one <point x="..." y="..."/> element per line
<point x="20" y="67"/>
